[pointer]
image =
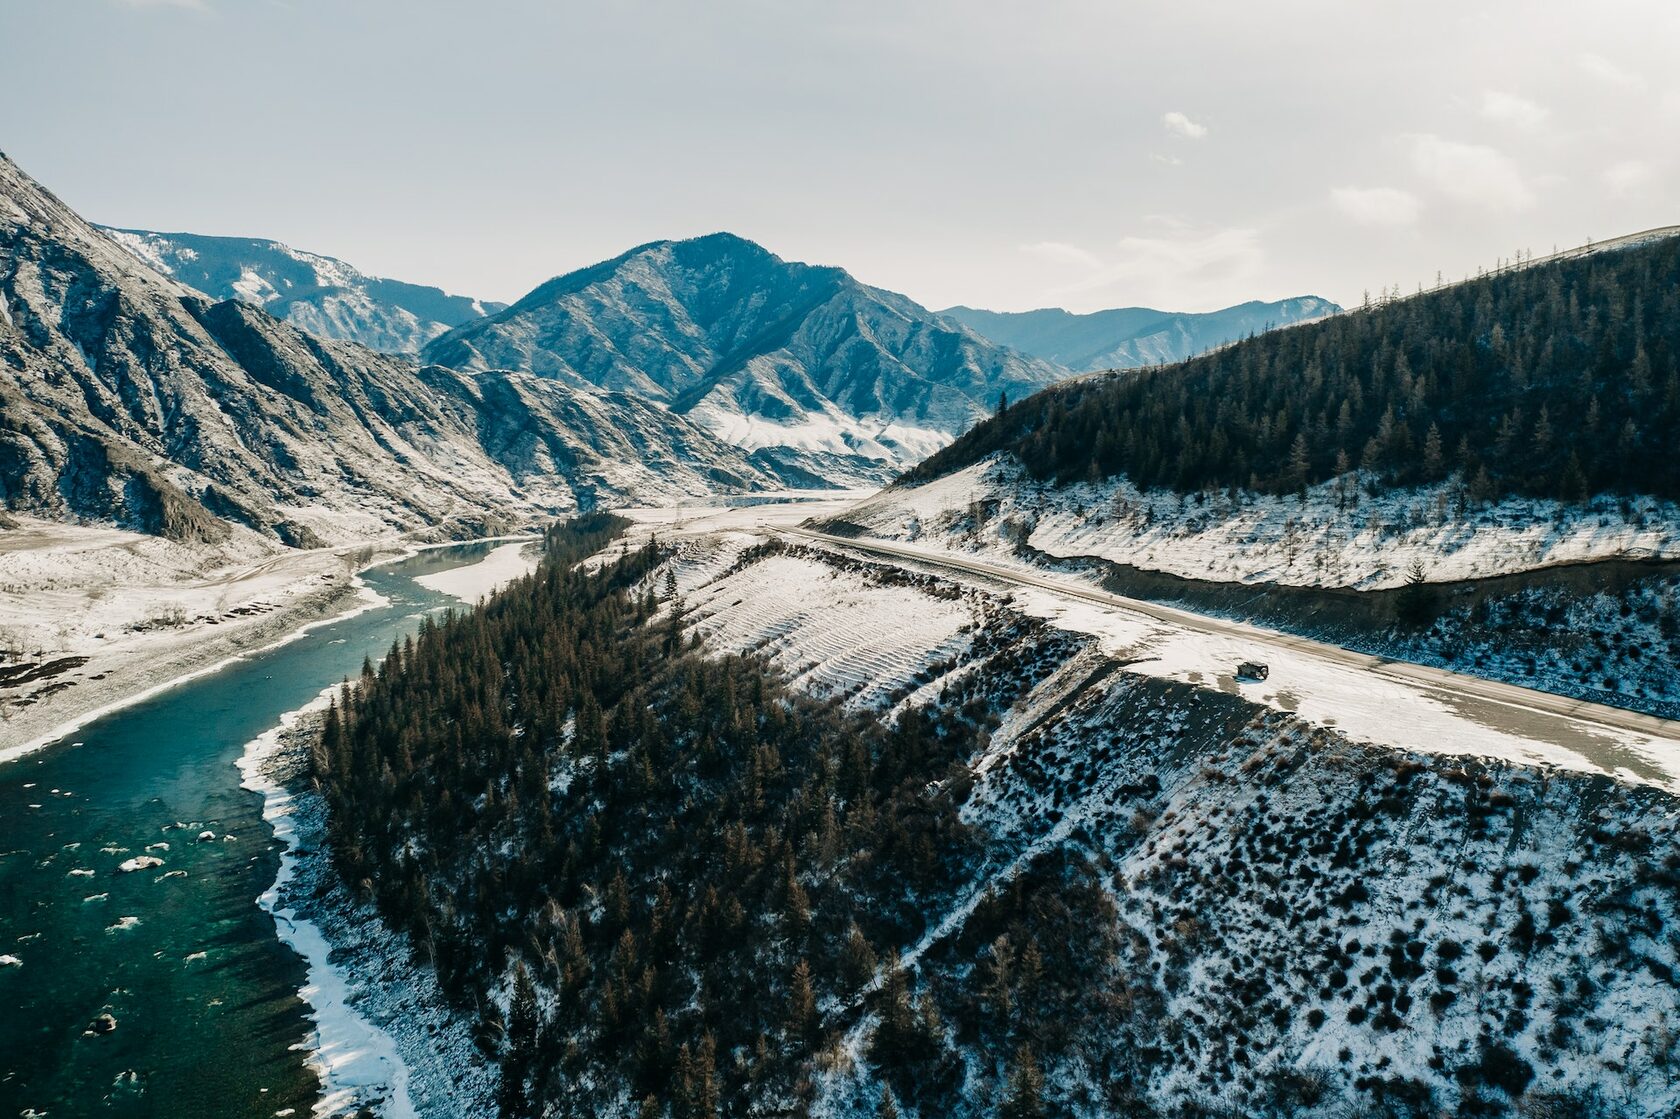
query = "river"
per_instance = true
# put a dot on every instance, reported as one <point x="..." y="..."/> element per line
<point x="205" y="996"/>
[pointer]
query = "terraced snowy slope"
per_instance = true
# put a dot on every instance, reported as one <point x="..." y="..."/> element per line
<point x="835" y="632"/>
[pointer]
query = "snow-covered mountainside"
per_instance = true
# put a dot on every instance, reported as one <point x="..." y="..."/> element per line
<point x="1030" y="875"/>
<point x="1181" y="902"/>
<point x="802" y="364"/>
<point x="325" y="296"/>
<point x="1335" y="534"/>
<point x="128" y="398"/>
<point x="1128" y="337"/>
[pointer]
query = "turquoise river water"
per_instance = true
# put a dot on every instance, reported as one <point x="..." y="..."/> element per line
<point x="209" y="1023"/>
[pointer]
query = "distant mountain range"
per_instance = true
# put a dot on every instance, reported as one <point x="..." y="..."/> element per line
<point x="320" y="294"/>
<point x="822" y="379"/>
<point x="801" y="364"/>
<point x="184" y="384"/>
<point x="130" y="398"/>
<point x="1130" y="337"/>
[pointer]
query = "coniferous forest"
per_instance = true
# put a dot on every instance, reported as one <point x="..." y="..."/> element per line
<point x="1553" y="380"/>
<point x="661" y="863"/>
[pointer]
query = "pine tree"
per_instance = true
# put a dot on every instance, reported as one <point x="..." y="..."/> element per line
<point x="1434" y="461"/>
<point x="997" y="979"/>
<point x="857" y="959"/>
<point x="514" y="1101"/>
<point x="1417" y="602"/>
<point x="1026" y="1087"/>
<point x="802" y="1004"/>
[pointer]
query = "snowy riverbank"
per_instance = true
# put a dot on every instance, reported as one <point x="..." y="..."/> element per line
<point x="513" y="560"/>
<point x="385" y="1037"/>
<point x="142" y="669"/>
<point x="186" y="614"/>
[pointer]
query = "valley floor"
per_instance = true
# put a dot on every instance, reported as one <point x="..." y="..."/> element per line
<point x="92" y="619"/>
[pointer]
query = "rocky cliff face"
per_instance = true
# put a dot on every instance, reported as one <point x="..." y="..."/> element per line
<point x="128" y="397"/>
<point x="799" y="363"/>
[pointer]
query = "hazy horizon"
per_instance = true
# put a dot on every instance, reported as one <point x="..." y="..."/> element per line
<point x="1072" y="156"/>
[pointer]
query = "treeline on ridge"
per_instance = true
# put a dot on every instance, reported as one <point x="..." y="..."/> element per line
<point x="1556" y="380"/>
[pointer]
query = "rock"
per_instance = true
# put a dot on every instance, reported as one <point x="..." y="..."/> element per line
<point x="139" y="862"/>
<point x="103" y="1024"/>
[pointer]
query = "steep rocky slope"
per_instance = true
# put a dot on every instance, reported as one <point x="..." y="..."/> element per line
<point x="802" y="363"/>
<point x="320" y="294"/>
<point x="129" y="398"/>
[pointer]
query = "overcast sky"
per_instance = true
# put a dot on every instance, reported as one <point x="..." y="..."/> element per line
<point x="1008" y="155"/>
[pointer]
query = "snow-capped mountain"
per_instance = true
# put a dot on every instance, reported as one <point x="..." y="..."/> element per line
<point x="801" y="364"/>
<point x="323" y="295"/>
<point x="128" y="397"/>
<point x="1129" y="337"/>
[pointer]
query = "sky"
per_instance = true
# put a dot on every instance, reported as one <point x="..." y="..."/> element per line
<point x="1184" y="155"/>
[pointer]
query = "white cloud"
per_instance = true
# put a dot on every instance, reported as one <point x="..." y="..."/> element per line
<point x="1474" y="174"/>
<point x="1377" y="205"/>
<point x="1182" y="125"/>
<point x="1630" y="176"/>
<point x="1184" y="269"/>
<point x="1508" y="108"/>
<point x="1166" y="160"/>
<point x="1059" y="252"/>
<point x="1608" y="72"/>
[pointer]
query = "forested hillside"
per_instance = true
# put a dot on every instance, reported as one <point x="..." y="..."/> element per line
<point x="704" y="856"/>
<point x="1554" y="380"/>
<point x="668" y="883"/>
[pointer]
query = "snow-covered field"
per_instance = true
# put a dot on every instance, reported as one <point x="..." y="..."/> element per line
<point x="1336" y="536"/>
<point x="778" y="508"/>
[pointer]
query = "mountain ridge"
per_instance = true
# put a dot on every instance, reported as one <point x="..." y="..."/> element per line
<point x="771" y="355"/>
<point x="1129" y="337"/>
<point x="1552" y="380"/>
<point x="321" y="294"/>
<point x="131" y="398"/>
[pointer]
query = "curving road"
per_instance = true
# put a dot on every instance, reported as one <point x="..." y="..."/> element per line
<point x="1525" y="704"/>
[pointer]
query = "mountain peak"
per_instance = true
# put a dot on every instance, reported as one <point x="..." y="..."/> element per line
<point x="779" y="357"/>
<point x="130" y="398"/>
